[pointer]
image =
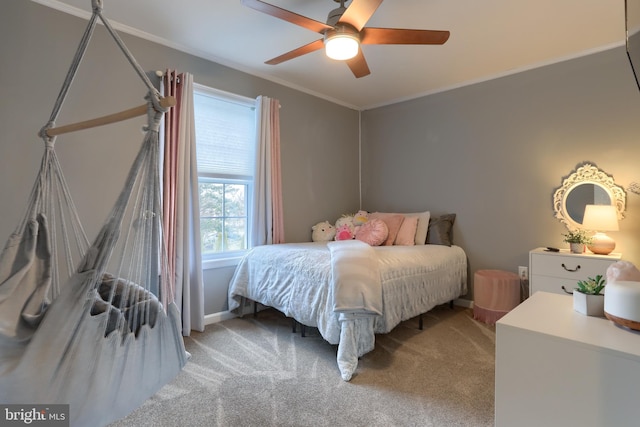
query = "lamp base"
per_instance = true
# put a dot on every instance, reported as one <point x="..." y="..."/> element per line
<point x="601" y="244"/>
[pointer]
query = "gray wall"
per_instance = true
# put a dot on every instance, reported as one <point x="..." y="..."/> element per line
<point x="494" y="153"/>
<point x="37" y="46"/>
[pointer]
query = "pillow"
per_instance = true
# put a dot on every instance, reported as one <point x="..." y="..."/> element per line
<point x="423" y="226"/>
<point x="407" y="233"/>
<point x="393" y="221"/>
<point x="440" y="230"/>
<point x="374" y="232"/>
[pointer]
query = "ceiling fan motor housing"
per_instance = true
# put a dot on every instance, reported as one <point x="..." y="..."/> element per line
<point x="335" y="15"/>
<point x="342" y="30"/>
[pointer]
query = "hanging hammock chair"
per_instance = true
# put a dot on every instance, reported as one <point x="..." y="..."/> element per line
<point x="90" y="325"/>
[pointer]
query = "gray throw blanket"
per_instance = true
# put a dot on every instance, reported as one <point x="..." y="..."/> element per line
<point x="357" y="288"/>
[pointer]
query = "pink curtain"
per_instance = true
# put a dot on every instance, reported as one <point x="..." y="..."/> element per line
<point x="181" y="211"/>
<point x="268" y="220"/>
<point x="169" y="173"/>
<point x="276" y="174"/>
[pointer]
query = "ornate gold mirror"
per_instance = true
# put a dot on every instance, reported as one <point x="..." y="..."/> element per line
<point x="587" y="185"/>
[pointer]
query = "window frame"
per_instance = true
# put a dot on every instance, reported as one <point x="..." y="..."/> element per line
<point x="229" y="258"/>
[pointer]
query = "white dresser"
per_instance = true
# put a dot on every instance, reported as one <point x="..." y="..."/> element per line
<point x="549" y="271"/>
<point x="557" y="367"/>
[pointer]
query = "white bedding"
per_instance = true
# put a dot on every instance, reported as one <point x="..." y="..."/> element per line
<point x="296" y="279"/>
<point x="355" y="278"/>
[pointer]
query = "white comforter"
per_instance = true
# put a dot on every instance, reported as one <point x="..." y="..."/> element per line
<point x="296" y="279"/>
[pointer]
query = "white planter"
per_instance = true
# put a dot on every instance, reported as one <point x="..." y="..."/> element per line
<point x="589" y="305"/>
<point x="577" y="248"/>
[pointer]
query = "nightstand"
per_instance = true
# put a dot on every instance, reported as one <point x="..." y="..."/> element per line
<point x="550" y="271"/>
<point x="557" y="367"/>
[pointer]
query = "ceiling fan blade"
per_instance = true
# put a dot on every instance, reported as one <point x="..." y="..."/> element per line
<point x="358" y="65"/>
<point x="302" y="50"/>
<point x="402" y="36"/>
<point x="286" y="15"/>
<point x="359" y="12"/>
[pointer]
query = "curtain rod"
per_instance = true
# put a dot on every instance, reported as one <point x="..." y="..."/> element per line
<point x="161" y="74"/>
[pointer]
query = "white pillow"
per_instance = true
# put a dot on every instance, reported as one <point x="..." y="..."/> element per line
<point x="423" y="226"/>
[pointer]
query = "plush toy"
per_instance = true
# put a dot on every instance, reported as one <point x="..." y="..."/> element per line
<point x="360" y="218"/>
<point x="345" y="220"/>
<point x="323" y="232"/>
<point x="344" y="232"/>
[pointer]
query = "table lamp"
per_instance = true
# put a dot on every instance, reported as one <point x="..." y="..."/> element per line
<point x="601" y="218"/>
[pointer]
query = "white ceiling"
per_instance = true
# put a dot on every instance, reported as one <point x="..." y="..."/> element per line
<point x="489" y="38"/>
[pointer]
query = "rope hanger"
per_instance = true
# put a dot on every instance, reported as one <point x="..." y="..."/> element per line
<point x="105" y="334"/>
<point x="157" y="102"/>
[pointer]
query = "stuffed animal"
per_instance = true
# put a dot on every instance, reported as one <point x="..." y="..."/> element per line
<point x="344" y="232"/>
<point x="344" y="228"/>
<point x="323" y="232"/>
<point x="345" y="220"/>
<point x="360" y="218"/>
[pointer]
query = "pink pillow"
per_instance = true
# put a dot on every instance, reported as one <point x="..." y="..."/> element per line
<point x="393" y="221"/>
<point x="407" y="233"/>
<point x="374" y="232"/>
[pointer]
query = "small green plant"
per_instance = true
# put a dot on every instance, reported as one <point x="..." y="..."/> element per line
<point x="591" y="286"/>
<point x="577" y="236"/>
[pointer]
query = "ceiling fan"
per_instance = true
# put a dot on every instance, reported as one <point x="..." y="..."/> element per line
<point x="345" y="31"/>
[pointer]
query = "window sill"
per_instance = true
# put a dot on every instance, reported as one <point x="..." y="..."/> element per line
<point x="230" y="261"/>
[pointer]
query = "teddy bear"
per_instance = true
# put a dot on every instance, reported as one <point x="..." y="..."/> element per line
<point x="323" y="232"/>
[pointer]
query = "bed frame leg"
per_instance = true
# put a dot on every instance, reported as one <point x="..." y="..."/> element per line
<point x="294" y="327"/>
<point x="420" y="323"/>
<point x="255" y="309"/>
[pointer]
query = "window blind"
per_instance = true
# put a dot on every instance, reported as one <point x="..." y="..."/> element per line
<point x="225" y="136"/>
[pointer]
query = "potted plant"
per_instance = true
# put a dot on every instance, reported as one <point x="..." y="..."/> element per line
<point x="587" y="297"/>
<point x="577" y="239"/>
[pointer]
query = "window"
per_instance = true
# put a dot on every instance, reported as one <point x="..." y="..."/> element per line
<point x="225" y="145"/>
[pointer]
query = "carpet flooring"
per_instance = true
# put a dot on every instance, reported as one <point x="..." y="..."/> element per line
<point x="254" y="371"/>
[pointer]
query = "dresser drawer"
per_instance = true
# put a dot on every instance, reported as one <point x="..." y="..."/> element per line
<point x="550" y="271"/>
<point x="568" y="267"/>
<point x="552" y="284"/>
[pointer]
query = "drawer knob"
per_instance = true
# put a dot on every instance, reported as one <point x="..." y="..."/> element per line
<point x="571" y="270"/>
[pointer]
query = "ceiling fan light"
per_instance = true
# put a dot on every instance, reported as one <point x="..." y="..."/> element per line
<point x="341" y="46"/>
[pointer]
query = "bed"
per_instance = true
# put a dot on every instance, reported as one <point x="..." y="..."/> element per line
<point x="349" y="290"/>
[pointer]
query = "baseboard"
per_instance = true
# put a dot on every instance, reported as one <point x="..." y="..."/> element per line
<point x="210" y="319"/>
<point x="463" y="303"/>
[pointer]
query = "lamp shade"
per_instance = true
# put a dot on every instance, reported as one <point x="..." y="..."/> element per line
<point x="341" y="42"/>
<point x="600" y="218"/>
<point x="341" y="46"/>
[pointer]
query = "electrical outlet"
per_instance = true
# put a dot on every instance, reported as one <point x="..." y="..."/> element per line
<point x="523" y="272"/>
